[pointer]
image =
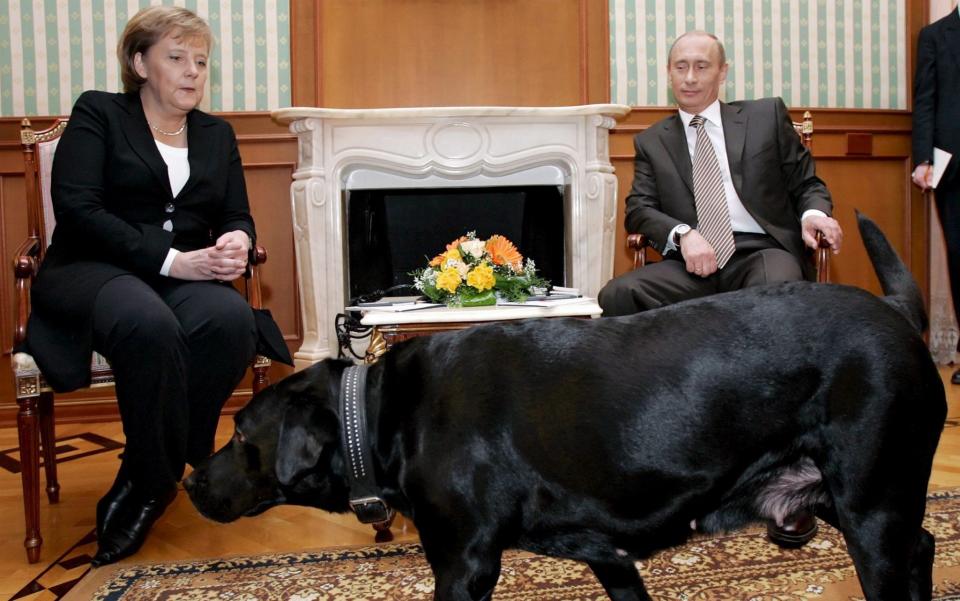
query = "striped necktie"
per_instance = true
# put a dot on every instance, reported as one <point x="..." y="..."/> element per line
<point x="713" y="215"/>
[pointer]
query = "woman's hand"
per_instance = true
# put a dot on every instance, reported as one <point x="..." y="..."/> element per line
<point x="224" y="261"/>
<point x="229" y="255"/>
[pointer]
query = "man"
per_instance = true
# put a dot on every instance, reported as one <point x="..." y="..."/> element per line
<point x="728" y="195"/>
<point x="936" y="123"/>
<point x="754" y="177"/>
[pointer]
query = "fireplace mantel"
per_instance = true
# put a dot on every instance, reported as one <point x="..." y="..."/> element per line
<point x="349" y="149"/>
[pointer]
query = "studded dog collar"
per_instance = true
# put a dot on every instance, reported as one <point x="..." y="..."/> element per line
<point x="364" y="499"/>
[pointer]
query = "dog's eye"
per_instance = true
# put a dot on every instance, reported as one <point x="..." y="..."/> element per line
<point x="238" y="437"/>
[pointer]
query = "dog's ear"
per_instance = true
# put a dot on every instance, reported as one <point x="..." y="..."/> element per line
<point x="301" y="440"/>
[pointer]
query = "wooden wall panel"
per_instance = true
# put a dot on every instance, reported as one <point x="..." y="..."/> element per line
<point x="383" y="53"/>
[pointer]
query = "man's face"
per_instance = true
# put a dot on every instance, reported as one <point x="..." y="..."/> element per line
<point x="695" y="72"/>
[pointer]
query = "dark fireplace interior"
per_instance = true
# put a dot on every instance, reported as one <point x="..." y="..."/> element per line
<point x="394" y="232"/>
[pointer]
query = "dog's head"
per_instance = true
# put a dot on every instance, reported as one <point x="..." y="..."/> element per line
<point x="285" y="449"/>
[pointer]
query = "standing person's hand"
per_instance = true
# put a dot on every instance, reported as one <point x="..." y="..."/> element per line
<point x="923" y="176"/>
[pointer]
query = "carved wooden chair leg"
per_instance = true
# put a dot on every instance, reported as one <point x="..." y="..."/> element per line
<point x="27" y="428"/>
<point x="48" y="445"/>
<point x="261" y="377"/>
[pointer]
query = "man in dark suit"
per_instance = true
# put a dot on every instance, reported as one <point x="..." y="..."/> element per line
<point x="774" y="201"/>
<point x="936" y="123"/>
<point x="728" y="195"/>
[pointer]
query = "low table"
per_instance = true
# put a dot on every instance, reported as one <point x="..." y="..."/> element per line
<point x="390" y="328"/>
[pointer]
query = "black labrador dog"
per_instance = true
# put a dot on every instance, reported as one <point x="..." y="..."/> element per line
<point x="605" y="440"/>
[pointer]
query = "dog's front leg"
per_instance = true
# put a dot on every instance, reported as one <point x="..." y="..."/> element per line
<point x="620" y="579"/>
<point x="462" y="571"/>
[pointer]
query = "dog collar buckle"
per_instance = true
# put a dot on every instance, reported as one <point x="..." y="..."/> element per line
<point x="370" y="510"/>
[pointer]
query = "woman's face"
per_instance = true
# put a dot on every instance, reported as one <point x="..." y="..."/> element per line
<point x="175" y="70"/>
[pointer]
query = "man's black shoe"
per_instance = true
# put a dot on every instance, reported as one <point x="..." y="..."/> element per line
<point x="797" y="530"/>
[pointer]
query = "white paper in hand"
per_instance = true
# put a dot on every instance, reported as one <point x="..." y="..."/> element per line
<point x="941" y="158"/>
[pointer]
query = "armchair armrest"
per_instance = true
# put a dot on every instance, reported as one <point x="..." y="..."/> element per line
<point x="258" y="256"/>
<point x="822" y="259"/>
<point x="25" y="265"/>
<point x="638" y="244"/>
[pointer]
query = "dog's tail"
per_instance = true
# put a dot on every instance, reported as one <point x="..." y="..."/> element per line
<point x="896" y="280"/>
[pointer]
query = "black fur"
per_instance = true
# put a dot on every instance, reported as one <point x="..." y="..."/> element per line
<point x="603" y="440"/>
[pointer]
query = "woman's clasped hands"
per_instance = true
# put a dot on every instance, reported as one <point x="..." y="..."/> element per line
<point x="225" y="261"/>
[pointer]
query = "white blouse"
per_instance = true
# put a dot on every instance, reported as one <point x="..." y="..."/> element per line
<point x="178" y="169"/>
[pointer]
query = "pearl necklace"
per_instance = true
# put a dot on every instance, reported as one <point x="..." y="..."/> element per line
<point x="168" y="133"/>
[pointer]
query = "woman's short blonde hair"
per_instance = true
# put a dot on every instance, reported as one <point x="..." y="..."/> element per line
<point x="149" y="26"/>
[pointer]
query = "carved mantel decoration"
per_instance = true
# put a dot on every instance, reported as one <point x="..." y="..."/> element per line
<point x="448" y="147"/>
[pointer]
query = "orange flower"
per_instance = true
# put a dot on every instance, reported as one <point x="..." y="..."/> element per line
<point x="503" y="252"/>
<point x="437" y="260"/>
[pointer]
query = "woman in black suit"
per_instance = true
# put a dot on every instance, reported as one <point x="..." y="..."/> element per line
<point x="152" y="224"/>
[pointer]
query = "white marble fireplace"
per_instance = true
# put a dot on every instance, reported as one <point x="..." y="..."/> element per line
<point x="455" y="147"/>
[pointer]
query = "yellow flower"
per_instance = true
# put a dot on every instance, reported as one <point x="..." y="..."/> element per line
<point x="448" y="279"/>
<point x="481" y="277"/>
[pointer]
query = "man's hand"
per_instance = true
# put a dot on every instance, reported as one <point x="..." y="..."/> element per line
<point x="699" y="255"/>
<point x="828" y="225"/>
<point x="923" y="176"/>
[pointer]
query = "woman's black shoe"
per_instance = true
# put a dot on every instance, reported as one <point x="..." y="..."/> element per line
<point x="108" y="506"/>
<point x="125" y="534"/>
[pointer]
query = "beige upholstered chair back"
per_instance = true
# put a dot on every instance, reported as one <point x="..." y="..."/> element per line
<point x="45" y="151"/>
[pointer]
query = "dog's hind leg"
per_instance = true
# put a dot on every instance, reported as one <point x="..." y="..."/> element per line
<point x="921" y="572"/>
<point x="620" y="579"/>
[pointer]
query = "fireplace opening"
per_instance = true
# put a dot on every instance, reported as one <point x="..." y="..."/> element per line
<point x="392" y="232"/>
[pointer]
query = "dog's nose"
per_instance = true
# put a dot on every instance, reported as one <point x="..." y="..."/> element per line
<point x="189" y="482"/>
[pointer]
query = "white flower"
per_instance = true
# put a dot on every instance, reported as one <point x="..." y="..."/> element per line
<point x="473" y="247"/>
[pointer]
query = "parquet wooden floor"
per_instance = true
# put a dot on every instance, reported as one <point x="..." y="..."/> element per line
<point x="184" y="534"/>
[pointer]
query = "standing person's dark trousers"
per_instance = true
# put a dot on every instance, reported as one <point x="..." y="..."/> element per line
<point x="936" y="124"/>
<point x="177" y="349"/>
<point x="758" y="260"/>
<point x="948" y="210"/>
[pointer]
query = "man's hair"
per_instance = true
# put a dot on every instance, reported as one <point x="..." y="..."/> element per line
<point x="716" y="40"/>
<point x="148" y="27"/>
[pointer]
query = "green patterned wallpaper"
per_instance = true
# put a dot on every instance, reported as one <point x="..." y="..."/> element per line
<point x="52" y="50"/>
<point x="813" y="53"/>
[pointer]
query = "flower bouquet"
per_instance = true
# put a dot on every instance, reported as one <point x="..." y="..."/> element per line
<point x="474" y="273"/>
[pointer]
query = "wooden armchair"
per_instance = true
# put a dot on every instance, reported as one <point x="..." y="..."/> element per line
<point x="35" y="418"/>
<point x="637" y="243"/>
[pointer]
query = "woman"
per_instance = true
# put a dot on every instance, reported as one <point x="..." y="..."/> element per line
<point x="152" y="224"/>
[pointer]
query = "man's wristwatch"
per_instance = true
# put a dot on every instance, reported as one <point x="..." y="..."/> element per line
<point x="682" y="230"/>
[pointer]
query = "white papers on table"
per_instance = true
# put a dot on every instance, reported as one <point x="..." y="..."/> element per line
<point x="564" y="290"/>
<point x="941" y="158"/>
<point x="548" y="302"/>
<point x="393" y="307"/>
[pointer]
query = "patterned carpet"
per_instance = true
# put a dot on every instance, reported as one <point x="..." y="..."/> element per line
<point x="742" y="566"/>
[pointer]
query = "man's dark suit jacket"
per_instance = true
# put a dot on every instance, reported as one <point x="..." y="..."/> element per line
<point x="771" y="170"/>
<point x="936" y="118"/>
<point x="110" y="192"/>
